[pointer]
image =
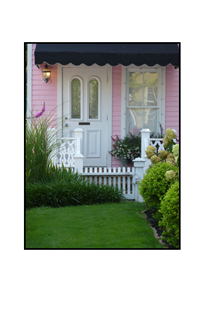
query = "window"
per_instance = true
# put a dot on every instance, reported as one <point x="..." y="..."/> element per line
<point x="143" y="100"/>
<point x="94" y="97"/>
<point x="75" y="98"/>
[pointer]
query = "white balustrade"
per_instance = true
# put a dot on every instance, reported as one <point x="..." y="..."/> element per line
<point x="69" y="150"/>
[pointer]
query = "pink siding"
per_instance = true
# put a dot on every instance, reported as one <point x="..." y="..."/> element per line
<point x="116" y="106"/>
<point x="41" y="91"/>
<point x="172" y="99"/>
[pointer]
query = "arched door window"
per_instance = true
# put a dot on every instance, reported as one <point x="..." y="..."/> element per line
<point x="76" y="98"/>
<point x="94" y="98"/>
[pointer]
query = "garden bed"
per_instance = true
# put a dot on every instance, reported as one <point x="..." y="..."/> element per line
<point x="154" y="225"/>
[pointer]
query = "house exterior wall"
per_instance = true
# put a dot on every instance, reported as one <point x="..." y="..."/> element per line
<point x="47" y="92"/>
<point x="172" y="99"/>
<point x="116" y="106"/>
<point x="171" y="102"/>
<point x="41" y="91"/>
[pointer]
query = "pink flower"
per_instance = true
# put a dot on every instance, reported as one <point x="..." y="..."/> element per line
<point x="40" y="113"/>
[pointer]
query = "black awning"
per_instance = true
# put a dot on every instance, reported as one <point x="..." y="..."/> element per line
<point x="111" y="53"/>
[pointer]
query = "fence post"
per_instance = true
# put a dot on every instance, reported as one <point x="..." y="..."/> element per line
<point x="145" y="136"/>
<point x="79" y="137"/>
<point x="78" y="157"/>
<point x="78" y="163"/>
<point x="139" y="164"/>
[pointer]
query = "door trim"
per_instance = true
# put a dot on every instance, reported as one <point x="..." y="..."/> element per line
<point x="109" y="99"/>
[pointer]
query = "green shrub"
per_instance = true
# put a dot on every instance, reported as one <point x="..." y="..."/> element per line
<point x="170" y="212"/>
<point x="154" y="184"/>
<point x="61" y="194"/>
<point x="53" y="174"/>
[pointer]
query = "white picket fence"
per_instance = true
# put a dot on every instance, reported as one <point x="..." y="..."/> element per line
<point x="123" y="178"/>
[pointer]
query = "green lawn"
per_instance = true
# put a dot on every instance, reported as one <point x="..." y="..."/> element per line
<point x="119" y="225"/>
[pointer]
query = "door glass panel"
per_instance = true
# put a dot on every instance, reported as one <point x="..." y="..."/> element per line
<point x="75" y="99"/>
<point x="93" y="99"/>
<point x="150" y="88"/>
<point x="135" y="88"/>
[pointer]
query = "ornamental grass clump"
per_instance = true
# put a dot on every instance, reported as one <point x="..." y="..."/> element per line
<point x="40" y="145"/>
<point x="126" y="149"/>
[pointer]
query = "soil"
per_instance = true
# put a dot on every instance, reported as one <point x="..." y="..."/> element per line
<point x="154" y="225"/>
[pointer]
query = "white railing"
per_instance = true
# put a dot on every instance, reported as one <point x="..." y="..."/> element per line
<point x="123" y="178"/>
<point x="69" y="151"/>
<point x="157" y="143"/>
<point x="66" y="150"/>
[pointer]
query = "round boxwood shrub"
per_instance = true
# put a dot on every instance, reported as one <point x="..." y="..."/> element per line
<point x="154" y="185"/>
<point x="170" y="212"/>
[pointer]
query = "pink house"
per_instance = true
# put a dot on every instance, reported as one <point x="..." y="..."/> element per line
<point x="106" y="89"/>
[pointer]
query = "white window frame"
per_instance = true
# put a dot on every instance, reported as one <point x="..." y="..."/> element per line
<point x="161" y="95"/>
<point x="99" y="98"/>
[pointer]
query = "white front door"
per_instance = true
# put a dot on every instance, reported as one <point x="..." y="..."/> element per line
<point x="85" y="106"/>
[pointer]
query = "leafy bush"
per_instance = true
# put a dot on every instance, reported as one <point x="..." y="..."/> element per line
<point x="169" y="210"/>
<point x="63" y="193"/>
<point x="154" y="185"/>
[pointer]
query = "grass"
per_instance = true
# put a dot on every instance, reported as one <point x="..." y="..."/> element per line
<point x="118" y="225"/>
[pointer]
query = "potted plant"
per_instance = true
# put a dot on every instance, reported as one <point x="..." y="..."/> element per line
<point x="126" y="149"/>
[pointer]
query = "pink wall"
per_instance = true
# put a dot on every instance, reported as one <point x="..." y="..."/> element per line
<point x="41" y="91"/>
<point x="172" y="99"/>
<point x="116" y="106"/>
